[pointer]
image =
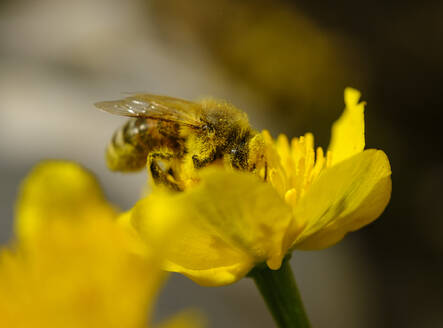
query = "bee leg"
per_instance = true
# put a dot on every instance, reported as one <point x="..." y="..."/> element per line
<point x="200" y="163"/>
<point x="197" y="163"/>
<point x="161" y="174"/>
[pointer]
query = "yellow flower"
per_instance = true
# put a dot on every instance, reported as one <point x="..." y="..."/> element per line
<point x="56" y="190"/>
<point x="73" y="265"/>
<point x="235" y="221"/>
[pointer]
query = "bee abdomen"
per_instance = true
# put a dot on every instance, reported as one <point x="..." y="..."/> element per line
<point x="123" y="154"/>
<point x="132" y="143"/>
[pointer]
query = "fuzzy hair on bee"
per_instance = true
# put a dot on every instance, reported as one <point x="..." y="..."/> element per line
<point x="172" y="136"/>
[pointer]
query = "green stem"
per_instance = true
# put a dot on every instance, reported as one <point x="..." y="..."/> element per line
<point x="281" y="295"/>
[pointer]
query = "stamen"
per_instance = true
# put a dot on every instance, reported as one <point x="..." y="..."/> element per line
<point x="299" y="165"/>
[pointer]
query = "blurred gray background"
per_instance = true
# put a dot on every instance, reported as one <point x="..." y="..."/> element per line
<point x="59" y="57"/>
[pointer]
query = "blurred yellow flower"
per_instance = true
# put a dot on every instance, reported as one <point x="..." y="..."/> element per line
<point x="56" y="190"/>
<point x="73" y="265"/>
<point x="235" y="221"/>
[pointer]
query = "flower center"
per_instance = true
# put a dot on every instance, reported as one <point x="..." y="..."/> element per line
<point x="294" y="165"/>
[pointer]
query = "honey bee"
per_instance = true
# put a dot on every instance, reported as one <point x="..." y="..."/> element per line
<point x="170" y="134"/>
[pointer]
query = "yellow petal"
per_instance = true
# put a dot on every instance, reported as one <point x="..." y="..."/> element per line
<point x="184" y="320"/>
<point x="348" y="132"/>
<point x="58" y="189"/>
<point x="124" y="220"/>
<point x="77" y="274"/>
<point x="345" y="197"/>
<point x="228" y="223"/>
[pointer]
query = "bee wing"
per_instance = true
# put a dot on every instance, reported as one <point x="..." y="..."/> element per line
<point x="155" y="107"/>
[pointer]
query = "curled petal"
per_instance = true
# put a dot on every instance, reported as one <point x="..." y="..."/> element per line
<point x="345" y="197"/>
<point x="228" y="223"/>
<point x="348" y="132"/>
